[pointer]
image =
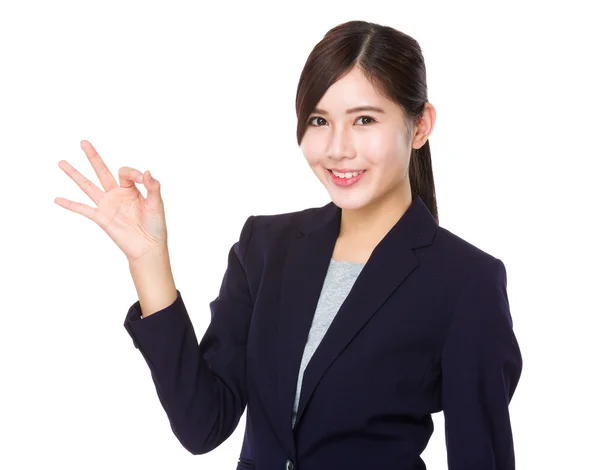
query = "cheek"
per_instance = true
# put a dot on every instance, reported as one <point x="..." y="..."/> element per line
<point x="381" y="151"/>
<point x="313" y="157"/>
<point x="310" y="151"/>
<point x="388" y="156"/>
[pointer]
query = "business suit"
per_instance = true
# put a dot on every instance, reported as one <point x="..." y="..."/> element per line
<point x="425" y="327"/>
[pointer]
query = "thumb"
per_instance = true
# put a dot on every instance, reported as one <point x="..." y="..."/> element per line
<point x="154" y="198"/>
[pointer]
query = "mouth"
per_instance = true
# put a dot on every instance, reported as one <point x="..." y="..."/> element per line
<point x="346" y="178"/>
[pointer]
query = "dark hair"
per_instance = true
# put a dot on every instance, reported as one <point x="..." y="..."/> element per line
<point x="394" y="64"/>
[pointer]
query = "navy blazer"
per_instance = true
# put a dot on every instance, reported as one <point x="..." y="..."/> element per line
<point x="426" y="327"/>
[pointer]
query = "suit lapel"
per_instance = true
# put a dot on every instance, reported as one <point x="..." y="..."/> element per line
<point x="304" y="270"/>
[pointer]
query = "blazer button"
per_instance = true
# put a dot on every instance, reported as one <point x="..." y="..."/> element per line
<point x="289" y="465"/>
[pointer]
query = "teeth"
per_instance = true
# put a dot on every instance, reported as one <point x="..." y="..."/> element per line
<point x="347" y="175"/>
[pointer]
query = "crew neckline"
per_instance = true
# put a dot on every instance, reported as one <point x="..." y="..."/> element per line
<point x="347" y="262"/>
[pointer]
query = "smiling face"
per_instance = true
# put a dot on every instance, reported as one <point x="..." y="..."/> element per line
<point x="341" y="136"/>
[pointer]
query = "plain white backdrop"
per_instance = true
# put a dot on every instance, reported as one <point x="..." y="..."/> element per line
<point x="202" y="94"/>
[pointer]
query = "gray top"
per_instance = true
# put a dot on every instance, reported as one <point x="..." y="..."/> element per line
<point x="340" y="278"/>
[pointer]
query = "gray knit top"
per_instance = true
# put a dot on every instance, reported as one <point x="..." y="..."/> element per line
<point x="339" y="279"/>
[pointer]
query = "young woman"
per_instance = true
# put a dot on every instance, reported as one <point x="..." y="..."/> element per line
<point x="341" y="328"/>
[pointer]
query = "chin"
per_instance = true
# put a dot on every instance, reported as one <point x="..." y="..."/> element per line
<point x="350" y="203"/>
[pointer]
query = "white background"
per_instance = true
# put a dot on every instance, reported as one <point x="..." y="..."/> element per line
<point x="202" y="94"/>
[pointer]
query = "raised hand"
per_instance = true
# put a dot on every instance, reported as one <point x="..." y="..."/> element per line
<point x="136" y="224"/>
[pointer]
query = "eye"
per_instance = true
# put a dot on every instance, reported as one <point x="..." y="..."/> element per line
<point x="310" y="121"/>
<point x="367" y="117"/>
<point x="315" y="117"/>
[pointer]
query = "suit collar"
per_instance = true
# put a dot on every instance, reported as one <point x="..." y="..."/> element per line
<point x="415" y="228"/>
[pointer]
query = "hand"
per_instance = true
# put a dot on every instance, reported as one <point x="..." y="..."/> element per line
<point x="135" y="224"/>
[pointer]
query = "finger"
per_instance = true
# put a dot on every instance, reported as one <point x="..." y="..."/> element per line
<point x="154" y="198"/>
<point x="89" y="188"/>
<point x="77" y="207"/>
<point x="107" y="180"/>
<point x="129" y="176"/>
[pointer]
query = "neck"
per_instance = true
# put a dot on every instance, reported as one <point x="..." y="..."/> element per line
<point x="374" y="221"/>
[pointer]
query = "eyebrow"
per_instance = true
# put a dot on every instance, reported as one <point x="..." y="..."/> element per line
<point x="354" y="110"/>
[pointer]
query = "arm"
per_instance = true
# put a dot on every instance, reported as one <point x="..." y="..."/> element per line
<point x="202" y="387"/>
<point x="481" y="366"/>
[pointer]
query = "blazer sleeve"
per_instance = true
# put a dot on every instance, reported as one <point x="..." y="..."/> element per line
<point x="202" y="387"/>
<point x="481" y="366"/>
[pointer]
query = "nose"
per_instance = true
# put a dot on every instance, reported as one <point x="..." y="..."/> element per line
<point x="341" y="145"/>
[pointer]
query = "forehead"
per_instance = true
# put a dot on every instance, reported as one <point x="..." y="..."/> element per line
<point x="353" y="89"/>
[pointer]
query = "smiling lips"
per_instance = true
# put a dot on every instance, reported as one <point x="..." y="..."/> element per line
<point x="344" y="177"/>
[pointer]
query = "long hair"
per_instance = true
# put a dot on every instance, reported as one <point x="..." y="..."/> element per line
<point x="393" y="63"/>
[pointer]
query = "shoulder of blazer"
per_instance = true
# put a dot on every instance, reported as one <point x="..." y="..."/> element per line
<point x="274" y="228"/>
<point x="461" y="261"/>
<point x="460" y="250"/>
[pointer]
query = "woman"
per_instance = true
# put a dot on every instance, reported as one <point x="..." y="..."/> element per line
<point x="341" y="328"/>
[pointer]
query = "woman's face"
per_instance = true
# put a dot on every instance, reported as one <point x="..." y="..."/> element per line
<point x="339" y="137"/>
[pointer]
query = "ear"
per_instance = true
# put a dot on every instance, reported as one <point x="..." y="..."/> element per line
<point x="424" y="127"/>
